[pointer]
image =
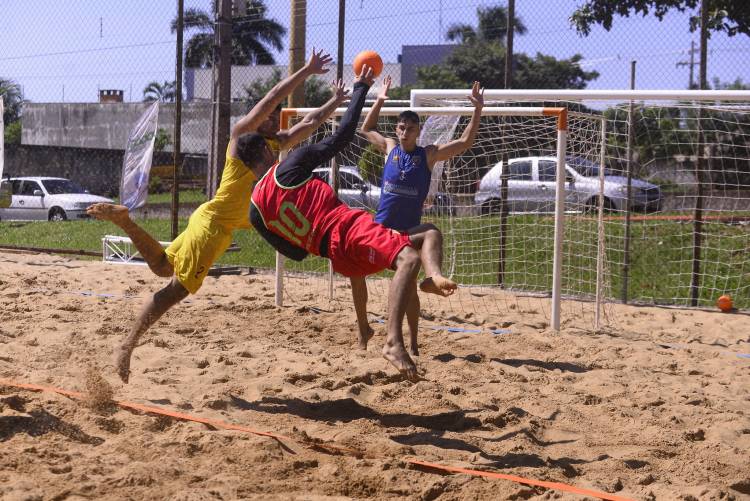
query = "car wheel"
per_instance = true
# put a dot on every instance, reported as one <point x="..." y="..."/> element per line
<point x="491" y="207"/>
<point x="592" y="205"/>
<point x="57" y="214"/>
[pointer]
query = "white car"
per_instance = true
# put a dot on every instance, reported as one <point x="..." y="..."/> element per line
<point x="46" y="199"/>
<point x="532" y="180"/>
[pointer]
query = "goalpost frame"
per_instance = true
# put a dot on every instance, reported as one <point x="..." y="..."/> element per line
<point x="419" y="96"/>
<point x="287" y="114"/>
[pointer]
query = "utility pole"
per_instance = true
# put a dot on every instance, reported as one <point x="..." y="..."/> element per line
<point x="342" y="32"/>
<point x="510" y="26"/>
<point x="297" y="51"/>
<point x="691" y="63"/>
<point x="221" y="94"/>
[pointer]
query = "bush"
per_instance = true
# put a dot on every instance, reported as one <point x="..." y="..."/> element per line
<point x="13" y="133"/>
<point x="371" y="165"/>
<point x="155" y="185"/>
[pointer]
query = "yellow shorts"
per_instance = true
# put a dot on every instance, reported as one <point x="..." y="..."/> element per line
<point x="197" y="248"/>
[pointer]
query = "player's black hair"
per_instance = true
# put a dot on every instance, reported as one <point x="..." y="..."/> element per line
<point x="250" y="149"/>
<point x="409" y="116"/>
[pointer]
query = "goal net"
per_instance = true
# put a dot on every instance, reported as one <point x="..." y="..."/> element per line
<point x="496" y="206"/>
<point x="681" y="236"/>
<point x="667" y="225"/>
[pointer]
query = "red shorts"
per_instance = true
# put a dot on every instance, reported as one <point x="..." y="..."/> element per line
<point x="359" y="246"/>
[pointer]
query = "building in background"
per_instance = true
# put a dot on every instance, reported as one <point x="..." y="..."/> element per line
<point x="110" y="95"/>
<point x="198" y="81"/>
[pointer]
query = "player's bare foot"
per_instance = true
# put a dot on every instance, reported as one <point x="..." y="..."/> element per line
<point x="363" y="339"/>
<point x="413" y="350"/>
<point x="397" y="356"/>
<point x="122" y="362"/>
<point x="438" y="285"/>
<point x="109" y="212"/>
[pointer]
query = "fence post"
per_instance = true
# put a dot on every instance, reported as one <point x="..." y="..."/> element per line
<point x="629" y="193"/>
<point x="698" y="213"/>
<point x="177" y="122"/>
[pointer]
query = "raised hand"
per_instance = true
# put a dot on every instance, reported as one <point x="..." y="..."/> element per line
<point x="318" y="61"/>
<point x="383" y="94"/>
<point x="366" y="76"/>
<point x="339" y="92"/>
<point x="477" y="95"/>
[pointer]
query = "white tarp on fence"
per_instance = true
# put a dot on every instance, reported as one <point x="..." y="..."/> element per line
<point x="136" y="164"/>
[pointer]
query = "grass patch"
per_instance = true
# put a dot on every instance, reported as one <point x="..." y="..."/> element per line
<point x="660" y="269"/>
<point x="186" y="197"/>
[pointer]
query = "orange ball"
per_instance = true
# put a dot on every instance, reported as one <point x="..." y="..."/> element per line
<point x="724" y="303"/>
<point x="371" y="59"/>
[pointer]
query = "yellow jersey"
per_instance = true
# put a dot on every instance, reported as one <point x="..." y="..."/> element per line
<point x="231" y="205"/>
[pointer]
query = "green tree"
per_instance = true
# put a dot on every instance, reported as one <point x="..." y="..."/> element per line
<point x="730" y="16"/>
<point x="485" y="61"/>
<point x="317" y="91"/>
<point x="164" y="93"/>
<point x="162" y="139"/>
<point x="253" y="36"/>
<point x="13" y="133"/>
<point x="738" y="84"/>
<point x="492" y="26"/>
<point x="10" y="91"/>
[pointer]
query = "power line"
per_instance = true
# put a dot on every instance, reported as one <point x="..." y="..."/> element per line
<point x="84" y="51"/>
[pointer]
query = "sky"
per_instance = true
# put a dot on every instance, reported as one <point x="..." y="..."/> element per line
<point x="68" y="49"/>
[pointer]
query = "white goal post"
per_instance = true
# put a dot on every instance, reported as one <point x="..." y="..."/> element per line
<point x="559" y="116"/>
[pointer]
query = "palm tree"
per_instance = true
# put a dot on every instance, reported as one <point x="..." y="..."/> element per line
<point x="253" y="36"/>
<point x="10" y="91"/>
<point x="493" y="26"/>
<point x="163" y="93"/>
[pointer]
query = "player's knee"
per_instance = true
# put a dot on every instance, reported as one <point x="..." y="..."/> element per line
<point x="408" y="259"/>
<point x="434" y="233"/>
<point x="162" y="268"/>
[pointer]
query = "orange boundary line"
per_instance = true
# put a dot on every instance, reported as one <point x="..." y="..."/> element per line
<point x="228" y="426"/>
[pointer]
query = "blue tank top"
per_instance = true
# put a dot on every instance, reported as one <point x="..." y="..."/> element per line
<point x="406" y="182"/>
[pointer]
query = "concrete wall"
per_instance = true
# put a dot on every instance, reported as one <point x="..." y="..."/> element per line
<point x="98" y="170"/>
<point x="107" y="126"/>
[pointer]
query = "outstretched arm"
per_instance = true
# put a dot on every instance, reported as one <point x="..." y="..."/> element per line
<point x="446" y="151"/>
<point x="298" y="166"/>
<point x="288" y="139"/>
<point x="370" y="128"/>
<point x="250" y="122"/>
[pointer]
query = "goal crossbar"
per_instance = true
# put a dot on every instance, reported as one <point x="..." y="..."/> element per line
<point x="287" y="114"/>
<point x="419" y="96"/>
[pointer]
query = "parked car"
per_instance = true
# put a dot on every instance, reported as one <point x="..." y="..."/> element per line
<point x="47" y="199"/>
<point x="356" y="192"/>
<point x="532" y="180"/>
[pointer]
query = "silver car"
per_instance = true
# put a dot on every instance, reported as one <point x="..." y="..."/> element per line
<point x="46" y="199"/>
<point x="356" y="192"/>
<point x="353" y="190"/>
<point x="531" y="187"/>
